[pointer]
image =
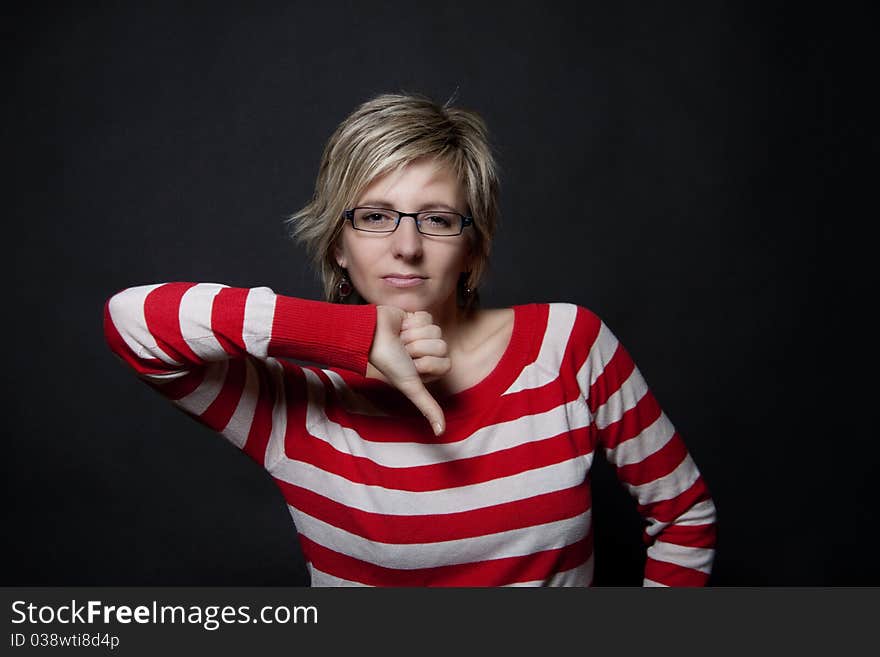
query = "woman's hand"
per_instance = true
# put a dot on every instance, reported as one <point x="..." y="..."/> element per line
<point x="425" y="344"/>
<point x="407" y="352"/>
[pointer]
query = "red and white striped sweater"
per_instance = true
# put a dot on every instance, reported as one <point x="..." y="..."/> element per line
<point x="502" y="498"/>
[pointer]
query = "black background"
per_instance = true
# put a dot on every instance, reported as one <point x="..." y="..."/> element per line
<point x="682" y="169"/>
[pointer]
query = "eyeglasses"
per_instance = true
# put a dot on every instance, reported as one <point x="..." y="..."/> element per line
<point x="428" y="222"/>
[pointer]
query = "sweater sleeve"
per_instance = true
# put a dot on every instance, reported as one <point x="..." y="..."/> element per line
<point x="213" y="350"/>
<point x="651" y="460"/>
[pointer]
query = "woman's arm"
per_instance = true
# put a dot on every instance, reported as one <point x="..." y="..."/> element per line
<point x="652" y="462"/>
<point x="212" y="349"/>
<point x="166" y="331"/>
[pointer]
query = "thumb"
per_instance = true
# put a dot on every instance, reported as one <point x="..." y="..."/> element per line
<point x="416" y="392"/>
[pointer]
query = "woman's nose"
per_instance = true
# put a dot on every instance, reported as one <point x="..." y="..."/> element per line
<point x="407" y="240"/>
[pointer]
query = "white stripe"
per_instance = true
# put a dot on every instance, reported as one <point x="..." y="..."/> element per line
<point x="650" y="583"/>
<point x="320" y="578"/>
<point x="195" y="321"/>
<point x="376" y="499"/>
<point x="668" y="486"/>
<point x="624" y="398"/>
<point x="486" y="440"/>
<point x="601" y="352"/>
<point x="650" y="441"/>
<point x="560" y="322"/>
<point x="275" y="448"/>
<point x="701" y="513"/>
<point x="166" y="377"/>
<point x="690" y="557"/>
<point x="259" y="312"/>
<point x="198" y="401"/>
<point x="500" y="545"/>
<point x="127" y="313"/>
<point x="579" y="576"/>
<point x="239" y="426"/>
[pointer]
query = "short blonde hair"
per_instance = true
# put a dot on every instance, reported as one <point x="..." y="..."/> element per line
<point x="385" y="134"/>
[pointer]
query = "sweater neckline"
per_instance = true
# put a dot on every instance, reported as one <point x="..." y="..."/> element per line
<point x="515" y="356"/>
<point x="521" y="349"/>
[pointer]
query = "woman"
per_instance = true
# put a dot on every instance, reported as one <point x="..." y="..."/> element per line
<point x="493" y="489"/>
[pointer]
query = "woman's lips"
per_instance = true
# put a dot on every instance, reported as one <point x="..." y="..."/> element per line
<point x="403" y="281"/>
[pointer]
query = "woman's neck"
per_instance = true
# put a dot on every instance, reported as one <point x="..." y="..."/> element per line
<point x="455" y="323"/>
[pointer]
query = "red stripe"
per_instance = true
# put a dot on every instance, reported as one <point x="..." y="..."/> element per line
<point x="406" y="424"/>
<point x="562" y="390"/>
<point x="583" y="337"/>
<point x="672" y="574"/>
<point x="118" y="346"/>
<point x="406" y="530"/>
<point x="495" y="572"/>
<point x="319" y="332"/>
<point x="530" y="326"/>
<point x="162" y="315"/>
<point x="261" y="427"/>
<point x="297" y="399"/>
<point x="657" y="465"/>
<point x="671" y="509"/>
<point x="218" y="414"/>
<point x="180" y="387"/>
<point x="616" y="372"/>
<point x="227" y="319"/>
<point x="541" y="321"/>
<point x="451" y="474"/>
<point x="632" y="422"/>
<point x="698" y="536"/>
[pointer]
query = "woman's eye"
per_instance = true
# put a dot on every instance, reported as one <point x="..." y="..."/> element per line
<point x="376" y="217"/>
<point x="436" y="220"/>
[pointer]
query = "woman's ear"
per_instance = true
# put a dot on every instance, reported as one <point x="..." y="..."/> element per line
<point x="339" y="256"/>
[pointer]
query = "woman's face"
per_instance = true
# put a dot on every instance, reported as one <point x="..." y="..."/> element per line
<point x="405" y="268"/>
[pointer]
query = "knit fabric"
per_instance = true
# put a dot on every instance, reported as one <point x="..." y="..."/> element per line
<point x="502" y="498"/>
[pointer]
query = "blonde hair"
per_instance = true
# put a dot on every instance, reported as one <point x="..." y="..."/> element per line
<point x="385" y="134"/>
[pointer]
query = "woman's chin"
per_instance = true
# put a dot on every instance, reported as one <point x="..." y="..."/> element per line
<point x="407" y="301"/>
<point x="411" y="300"/>
<point x="409" y="305"/>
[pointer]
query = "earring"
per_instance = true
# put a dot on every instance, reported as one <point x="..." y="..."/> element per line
<point x="344" y="287"/>
<point x="466" y="289"/>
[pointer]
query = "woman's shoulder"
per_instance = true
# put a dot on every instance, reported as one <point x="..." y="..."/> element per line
<point x="557" y="318"/>
<point x="557" y="309"/>
<point x="560" y="321"/>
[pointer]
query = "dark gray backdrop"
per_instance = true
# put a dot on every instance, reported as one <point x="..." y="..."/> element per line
<point x="683" y="161"/>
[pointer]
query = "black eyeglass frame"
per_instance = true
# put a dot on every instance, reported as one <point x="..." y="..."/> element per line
<point x="465" y="220"/>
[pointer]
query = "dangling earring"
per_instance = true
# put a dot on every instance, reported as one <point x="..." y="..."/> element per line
<point x="465" y="295"/>
<point x="468" y="290"/>
<point x="344" y="287"/>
